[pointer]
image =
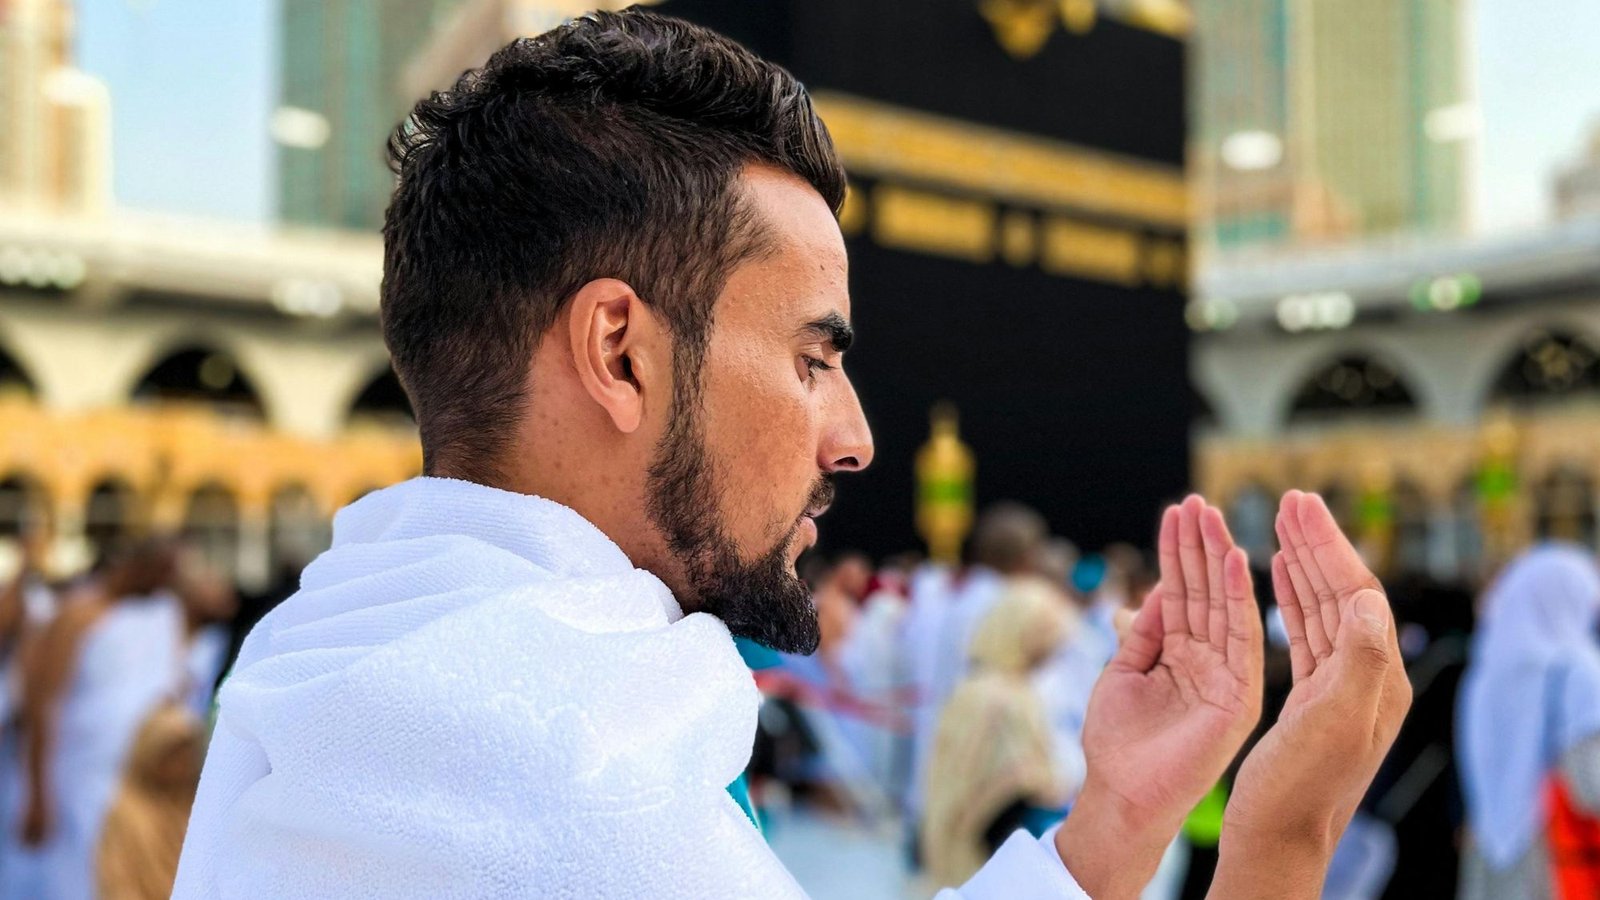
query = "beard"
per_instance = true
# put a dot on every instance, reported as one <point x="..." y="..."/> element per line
<point x="763" y="600"/>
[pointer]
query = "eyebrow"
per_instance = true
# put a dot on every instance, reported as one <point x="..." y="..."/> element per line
<point x="832" y="328"/>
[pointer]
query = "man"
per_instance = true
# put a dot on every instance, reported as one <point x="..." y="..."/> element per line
<point x="615" y="291"/>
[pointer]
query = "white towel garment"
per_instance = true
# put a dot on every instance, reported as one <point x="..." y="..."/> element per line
<point x="475" y="694"/>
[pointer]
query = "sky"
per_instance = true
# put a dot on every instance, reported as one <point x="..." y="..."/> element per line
<point x="1538" y="77"/>
<point x="193" y="85"/>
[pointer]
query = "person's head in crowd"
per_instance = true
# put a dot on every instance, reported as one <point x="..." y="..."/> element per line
<point x="140" y="567"/>
<point x="613" y="278"/>
<point x="894" y="575"/>
<point x="1088" y="574"/>
<point x="1545" y="599"/>
<point x="1125" y="564"/>
<point x="1008" y="537"/>
<point x="813" y="569"/>
<point x="208" y="596"/>
<point x="1055" y="561"/>
<point x="852" y="573"/>
<point x="1144" y="579"/>
<point x="34" y="544"/>
<point x="1023" y="630"/>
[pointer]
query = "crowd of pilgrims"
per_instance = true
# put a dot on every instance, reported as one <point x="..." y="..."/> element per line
<point x="105" y="705"/>
<point x="952" y="698"/>
<point x="947" y="699"/>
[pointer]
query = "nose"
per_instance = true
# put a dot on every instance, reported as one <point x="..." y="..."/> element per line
<point x="847" y="441"/>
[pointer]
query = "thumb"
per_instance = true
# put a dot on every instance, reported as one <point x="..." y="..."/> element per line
<point x="1365" y="647"/>
<point x="1139" y="635"/>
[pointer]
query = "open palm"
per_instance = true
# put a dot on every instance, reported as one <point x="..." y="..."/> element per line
<point x="1184" y="690"/>
<point x="1350" y="691"/>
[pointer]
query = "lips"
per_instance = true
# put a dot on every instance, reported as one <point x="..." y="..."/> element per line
<point x="808" y="528"/>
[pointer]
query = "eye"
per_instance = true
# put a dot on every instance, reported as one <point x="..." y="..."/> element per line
<point x="813" y="366"/>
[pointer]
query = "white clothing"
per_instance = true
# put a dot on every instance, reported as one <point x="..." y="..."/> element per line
<point x="942" y="665"/>
<point x="475" y="694"/>
<point x="1064" y="684"/>
<point x="1529" y="695"/>
<point x="202" y="663"/>
<point x="919" y="644"/>
<point x="870" y="661"/>
<point x="129" y="662"/>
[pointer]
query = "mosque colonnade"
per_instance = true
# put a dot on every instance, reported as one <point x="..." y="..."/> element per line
<point x="243" y="433"/>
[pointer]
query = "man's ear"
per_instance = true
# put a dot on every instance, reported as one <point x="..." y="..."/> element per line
<point x="616" y="343"/>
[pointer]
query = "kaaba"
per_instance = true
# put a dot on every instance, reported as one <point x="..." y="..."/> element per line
<point x="1017" y="236"/>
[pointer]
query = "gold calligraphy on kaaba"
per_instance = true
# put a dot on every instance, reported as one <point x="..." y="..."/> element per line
<point x="958" y="189"/>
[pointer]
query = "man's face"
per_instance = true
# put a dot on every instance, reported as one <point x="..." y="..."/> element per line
<point x="756" y="434"/>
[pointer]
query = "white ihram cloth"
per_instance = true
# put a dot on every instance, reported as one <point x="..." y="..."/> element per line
<point x="475" y="694"/>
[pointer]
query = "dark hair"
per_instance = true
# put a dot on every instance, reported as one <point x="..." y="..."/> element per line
<point x="608" y="147"/>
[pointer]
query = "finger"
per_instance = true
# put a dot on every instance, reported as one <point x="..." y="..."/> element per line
<point x="1243" y="625"/>
<point x="1140" y="646"/>
<point x="1334" y="556"/>
<point x="1318" y="637"/>
<point x="1174" y="619"/>
<point x="1217" y="542"/>
<point x="1307" y="510"/>
<point x="1192" y="558"/>
<point x="1365" y="657"/>
<point x="1301" y="661"/>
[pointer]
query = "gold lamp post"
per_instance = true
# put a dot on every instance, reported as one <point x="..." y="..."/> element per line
<point x="944" y="470"/>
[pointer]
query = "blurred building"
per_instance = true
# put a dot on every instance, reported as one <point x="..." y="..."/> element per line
<point x="341" y="96"/>
<point x="1316" y="121"/>
<point x="1444" y="394"/>
<point x="224" y="381"/>
<point x="1577" y="187"/>
<point x="230" y="382"/>
<point x="55" y="150"/>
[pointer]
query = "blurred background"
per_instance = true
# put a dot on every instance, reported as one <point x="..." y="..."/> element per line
<point x="1103" y="252"/>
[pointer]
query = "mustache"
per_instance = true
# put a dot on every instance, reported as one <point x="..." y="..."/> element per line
<point x="821" y="497"/>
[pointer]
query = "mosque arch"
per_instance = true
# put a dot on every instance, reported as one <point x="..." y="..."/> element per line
<point x="1549" y="364"/>
<point x="204" y="374"/>
<point x="1352" y="383"/>
<point x="15" y="381"/>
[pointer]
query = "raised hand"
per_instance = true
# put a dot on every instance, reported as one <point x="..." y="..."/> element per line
<point x="1300" y="785"/>
<point x="1172" y="708"/>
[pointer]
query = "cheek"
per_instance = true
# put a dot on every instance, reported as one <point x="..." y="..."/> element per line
<point x="762" y="434"/>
